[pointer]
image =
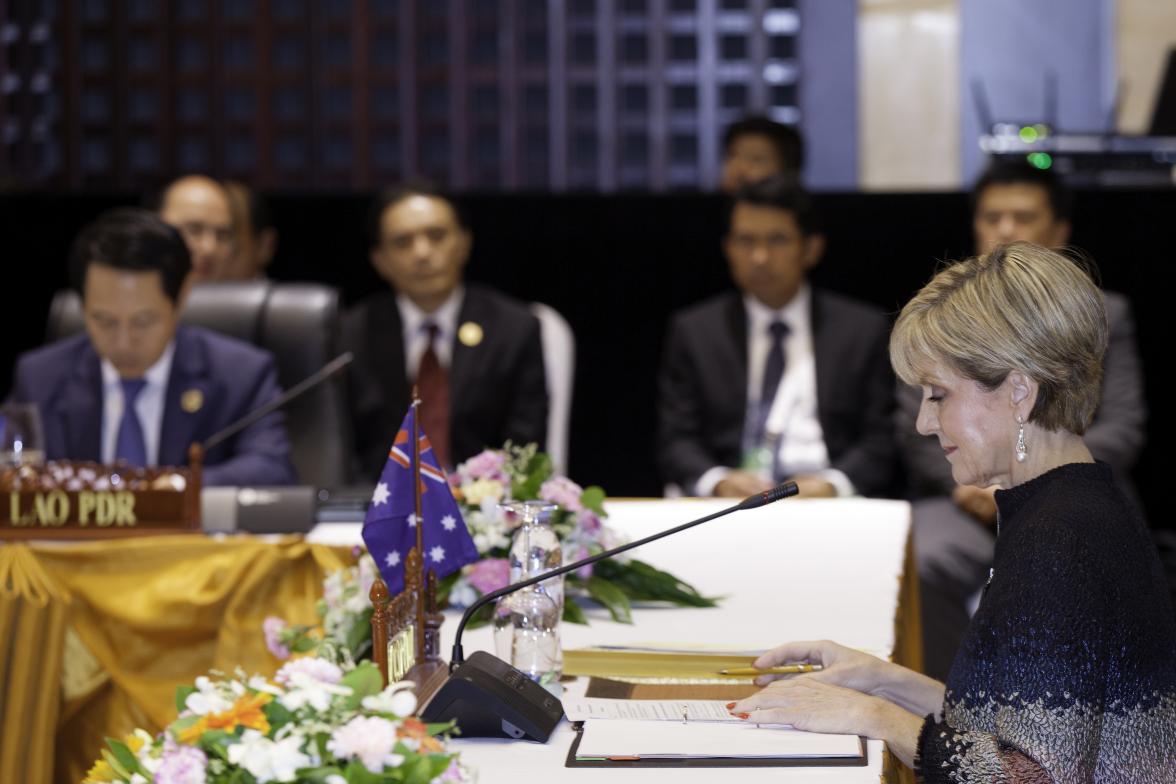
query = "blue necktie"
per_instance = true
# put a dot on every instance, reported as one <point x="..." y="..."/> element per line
<point x="129" y="445"/>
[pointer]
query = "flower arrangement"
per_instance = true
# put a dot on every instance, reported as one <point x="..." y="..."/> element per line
<point x="480" y="484"/>
<point x="317" y="722"/>
<point x="523" y="473"/>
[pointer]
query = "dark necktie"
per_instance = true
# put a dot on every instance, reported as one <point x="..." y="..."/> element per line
<point x="773" y="372"/>
<point x="433" y="386"/>
<point x="129" y="444"/>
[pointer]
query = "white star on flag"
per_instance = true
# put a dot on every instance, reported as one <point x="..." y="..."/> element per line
<point x="437" y="554"/>
<point x="381" y="494"/>
<point x="448" y="523"/>
<point x="392" y="559"/>
<point x="411" y="520"/>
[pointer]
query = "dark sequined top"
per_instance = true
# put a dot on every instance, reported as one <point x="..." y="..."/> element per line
<point x="1068" y="670"/>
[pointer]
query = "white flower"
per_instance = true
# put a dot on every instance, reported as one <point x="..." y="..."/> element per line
<point x="258" y="683"/>
<point x="310" y="682"/>
<point x="480" y="490"/>
<point x="207" y="698"/>
<point x="138" y="778"/>
<point x="462" y="594"/>
<point x="397" y="699"/>
<point x="369" y="738"/>
<point x="268" y="760"/>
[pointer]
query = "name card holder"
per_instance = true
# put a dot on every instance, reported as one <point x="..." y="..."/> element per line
<point x="81" y="500"/>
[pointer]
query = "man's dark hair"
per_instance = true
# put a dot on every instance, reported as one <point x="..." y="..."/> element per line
<point x="132" y="239"/>
<point x="1020" y="172"/>
<point x="417" y="188"/>
<point x="786" y="139"/>
<point x="782" y="193"/>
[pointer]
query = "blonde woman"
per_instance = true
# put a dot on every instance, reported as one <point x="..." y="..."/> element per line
<point x="1068" y="670"/>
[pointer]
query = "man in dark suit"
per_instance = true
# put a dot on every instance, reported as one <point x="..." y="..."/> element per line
<point x="139" y="387"/>
<point x="954" y="525"/>
<point x="781" y="379"/>
<point x="474" y="354"/>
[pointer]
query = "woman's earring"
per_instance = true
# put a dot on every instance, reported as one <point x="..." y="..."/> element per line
<point x="1021" y="451"/>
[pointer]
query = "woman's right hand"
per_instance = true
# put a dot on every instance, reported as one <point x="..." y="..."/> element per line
<point x="840" y="666"/>
<point x="852" y="669"/>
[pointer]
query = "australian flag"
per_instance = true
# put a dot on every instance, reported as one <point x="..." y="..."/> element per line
<point x="389" y="528"/>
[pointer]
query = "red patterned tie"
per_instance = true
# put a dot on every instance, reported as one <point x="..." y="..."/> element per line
<point x="433" y="385"/>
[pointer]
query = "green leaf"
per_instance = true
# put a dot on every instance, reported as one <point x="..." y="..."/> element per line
<point x="444" y="586"/>
<point x="612" y="597"/>
<point x="359" y="636"/>
<point x="573" y="613"/>
<point x="182" y="693"/>
<point x="318" y="775"/>
<point x="642" y="582"/>
<point x="357" y="773"/>
<point x="364" y="681"/>
<point x="304" y="645"/>
<point x="127" y="760"/>
<point x="538" y="471"/>
<point x="593" y="498"/>
<point x="481" y="617"/>
<point x="277" y="714"/>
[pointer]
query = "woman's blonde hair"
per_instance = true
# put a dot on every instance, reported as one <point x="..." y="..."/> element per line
<point x="1020" y="307"/>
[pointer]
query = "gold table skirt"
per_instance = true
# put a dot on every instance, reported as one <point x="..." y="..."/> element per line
<point x="95" y="637"/>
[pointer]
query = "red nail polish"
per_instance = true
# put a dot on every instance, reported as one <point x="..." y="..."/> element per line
<point x="743" y="716"/>
<point x="730" y="705"/>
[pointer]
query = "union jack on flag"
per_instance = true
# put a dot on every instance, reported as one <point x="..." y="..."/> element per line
<point x="389" y="527"/>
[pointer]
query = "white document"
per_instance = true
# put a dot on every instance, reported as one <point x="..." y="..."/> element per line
<point x="649" y="739"/>
<point x="583" y="708"/>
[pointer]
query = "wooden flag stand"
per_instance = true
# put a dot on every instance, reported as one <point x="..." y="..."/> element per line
<point x="406" y="628"/>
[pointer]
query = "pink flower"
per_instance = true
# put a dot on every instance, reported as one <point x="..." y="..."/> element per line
<point x="490" y="574"/>
<point x="563" y="491"/>
<point x="273" y="627"/>
<point x="181" y="765"/>
<point x="487" y="464"/>
<point x="584" y="572"/>
<point x="590" y="523"/>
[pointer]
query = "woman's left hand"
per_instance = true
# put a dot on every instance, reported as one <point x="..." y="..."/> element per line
<point x="811" y="705"/>
<point x="814" y="706"/>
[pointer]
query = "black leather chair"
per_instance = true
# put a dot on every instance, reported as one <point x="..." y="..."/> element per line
<point x="298" y="324"/>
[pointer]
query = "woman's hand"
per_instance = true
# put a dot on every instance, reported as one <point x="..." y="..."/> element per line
<point x="841" y="666"/>
<point x="852" y="669"/>
<point x="815" y="706"/>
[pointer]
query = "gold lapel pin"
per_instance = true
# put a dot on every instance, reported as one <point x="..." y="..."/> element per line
<point x="470" y="334"/>
<point x="192" y="400"/>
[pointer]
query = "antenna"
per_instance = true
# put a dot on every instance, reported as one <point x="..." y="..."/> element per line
<point x="980" y="100"/>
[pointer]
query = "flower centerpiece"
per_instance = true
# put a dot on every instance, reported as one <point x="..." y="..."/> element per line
<point x="523" y="473"/>
<point x="316" y="722"/>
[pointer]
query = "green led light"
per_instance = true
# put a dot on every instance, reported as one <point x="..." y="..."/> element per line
<point x="1028" y="134"/>
<point x="1042" y="130"/>
<point x="1040" y="160"/>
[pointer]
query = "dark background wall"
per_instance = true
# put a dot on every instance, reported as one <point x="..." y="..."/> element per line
<point x="617" y="266"/>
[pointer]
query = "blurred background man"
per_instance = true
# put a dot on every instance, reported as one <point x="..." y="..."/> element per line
<point x="138" y="386"/>
<point x="782" y="379"/>
<point x="474" y="354"/>
<point x="756" y="148"/>
<point x="199" y="207"/>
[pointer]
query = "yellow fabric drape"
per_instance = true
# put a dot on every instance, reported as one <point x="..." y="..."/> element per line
<point x="32" y="631"/>
<point x="149" y="615"/>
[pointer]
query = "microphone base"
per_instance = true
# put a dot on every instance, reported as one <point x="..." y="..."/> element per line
<point x="490" y="699"/>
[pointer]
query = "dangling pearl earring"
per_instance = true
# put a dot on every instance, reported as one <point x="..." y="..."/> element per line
<point x="1021" y="451"/>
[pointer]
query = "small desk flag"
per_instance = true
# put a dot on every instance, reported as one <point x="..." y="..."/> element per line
<point x="389" y="527"/>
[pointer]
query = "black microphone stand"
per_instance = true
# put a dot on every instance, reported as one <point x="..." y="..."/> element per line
<point x="488" y="698"/>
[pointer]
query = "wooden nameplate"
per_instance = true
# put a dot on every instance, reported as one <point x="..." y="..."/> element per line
<point x="83" y="500"/>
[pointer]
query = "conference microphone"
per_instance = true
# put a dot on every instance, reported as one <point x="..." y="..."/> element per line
<point x="490" y="699"/>
<point x="299" y="389"/>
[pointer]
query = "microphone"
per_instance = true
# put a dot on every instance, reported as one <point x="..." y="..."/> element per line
<point x="490" y="699"/>
<point x="299" y="389"/>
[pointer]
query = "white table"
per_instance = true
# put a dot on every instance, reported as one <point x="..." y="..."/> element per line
<point x="791" y="571"/>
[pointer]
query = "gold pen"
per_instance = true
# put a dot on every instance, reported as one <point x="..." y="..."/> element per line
<point x="786" y="669"/>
